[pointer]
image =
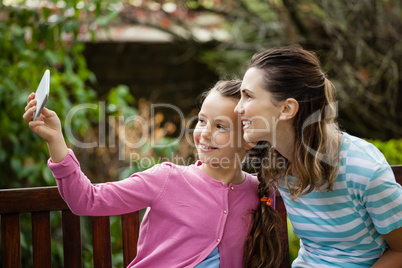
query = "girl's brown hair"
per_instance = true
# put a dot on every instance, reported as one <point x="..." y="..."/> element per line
<point x="263" y="246"/>
<point x="227" y="88"/>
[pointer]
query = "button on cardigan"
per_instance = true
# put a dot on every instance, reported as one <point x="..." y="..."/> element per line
<point x="188" y="213"/>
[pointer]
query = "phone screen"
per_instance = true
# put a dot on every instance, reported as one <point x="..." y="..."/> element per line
<point x="42" y="93"/>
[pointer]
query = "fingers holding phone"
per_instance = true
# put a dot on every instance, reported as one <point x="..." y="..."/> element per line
<point x="42" y="121"/>
<point x="47" y="125"/>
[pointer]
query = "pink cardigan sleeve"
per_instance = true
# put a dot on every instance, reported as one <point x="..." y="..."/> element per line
<point x="111" y="198"/>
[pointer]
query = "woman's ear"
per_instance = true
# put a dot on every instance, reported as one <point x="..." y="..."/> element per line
<point x="290" y="107"/>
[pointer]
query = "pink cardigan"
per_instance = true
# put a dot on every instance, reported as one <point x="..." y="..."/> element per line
<point x="188" y="214"/>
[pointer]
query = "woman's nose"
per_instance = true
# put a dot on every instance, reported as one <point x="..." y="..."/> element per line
<point x="239" y="108"/>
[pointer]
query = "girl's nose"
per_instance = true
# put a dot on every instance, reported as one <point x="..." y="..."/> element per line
<point x="239" y="108"/>
<point x="206" y="132"/>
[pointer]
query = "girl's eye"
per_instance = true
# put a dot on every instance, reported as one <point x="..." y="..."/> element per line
<point x="248" y="96"/>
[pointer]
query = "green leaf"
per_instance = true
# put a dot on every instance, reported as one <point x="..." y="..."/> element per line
<point x="48" y="176"/>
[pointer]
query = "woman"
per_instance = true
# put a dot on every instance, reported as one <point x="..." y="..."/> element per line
<point x="339" y="191"/>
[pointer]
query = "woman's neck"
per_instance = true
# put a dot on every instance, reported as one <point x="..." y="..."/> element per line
<point x="284" y="142"/>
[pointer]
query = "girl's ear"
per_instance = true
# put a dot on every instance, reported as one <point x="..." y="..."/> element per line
<point x="290" y="107"/>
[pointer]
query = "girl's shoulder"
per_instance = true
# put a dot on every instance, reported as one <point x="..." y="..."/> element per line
<point x="251" y="180"/>
<point x="166" y="168"/>
<point x="251" y="176"/>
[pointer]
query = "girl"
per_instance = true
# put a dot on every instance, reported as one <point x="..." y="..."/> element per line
<point x="197" y="216"/>
<point x="339" y="191"/>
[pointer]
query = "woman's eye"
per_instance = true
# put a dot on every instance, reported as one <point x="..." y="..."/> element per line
<point x="201" y="121"/>
<point x="245" y="94"/>
<point x="221" y="127"/>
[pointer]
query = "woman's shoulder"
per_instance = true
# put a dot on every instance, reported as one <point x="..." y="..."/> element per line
<point x="361" y="159"/>
<point x="357" y="148"/>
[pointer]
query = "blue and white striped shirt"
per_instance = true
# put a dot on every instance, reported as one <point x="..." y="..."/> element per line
<point x="343" y="227"/>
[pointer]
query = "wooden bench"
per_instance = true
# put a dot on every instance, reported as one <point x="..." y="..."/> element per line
<point x="40" y="201"/>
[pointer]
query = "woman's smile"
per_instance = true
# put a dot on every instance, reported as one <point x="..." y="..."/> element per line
<point x="246" y="124"/>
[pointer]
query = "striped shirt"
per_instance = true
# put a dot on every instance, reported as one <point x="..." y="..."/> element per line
<point x="343" y="227"/>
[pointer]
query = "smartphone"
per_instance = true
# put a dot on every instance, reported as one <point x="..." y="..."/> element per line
<point x="42" y="93"/>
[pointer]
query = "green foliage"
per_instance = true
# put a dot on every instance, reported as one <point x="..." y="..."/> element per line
<point x="31" y="42"/>
<point x="294" y="242"/>
<point x="119" y="100"/>
<point x="391" y="149"/>
<point x="33" y="39"/>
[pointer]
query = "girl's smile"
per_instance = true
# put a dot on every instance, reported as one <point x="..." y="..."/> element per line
<point x="206" y="148"/>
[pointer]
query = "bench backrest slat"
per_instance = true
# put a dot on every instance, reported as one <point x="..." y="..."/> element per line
<point x="40" y="201"/>
<point x="10" y="240"/>
<point x="130" y="223"/>
<point x="71" y="239"/>
<point x="397" y="169"/>
<point x="101" y="242"/>
<point x="41" y="247"/>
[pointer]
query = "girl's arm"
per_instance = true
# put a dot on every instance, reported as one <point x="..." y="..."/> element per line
<point x="84" y="198"/>
<point x="392" y="257"/>
<point x="48" y="127"/>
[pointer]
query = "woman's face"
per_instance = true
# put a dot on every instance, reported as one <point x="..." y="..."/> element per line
<point x="259" y="114"/>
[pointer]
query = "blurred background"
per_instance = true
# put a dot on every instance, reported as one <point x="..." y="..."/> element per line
<point x="124" y="56"/>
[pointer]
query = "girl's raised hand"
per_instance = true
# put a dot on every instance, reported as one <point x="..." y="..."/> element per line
<point x="47" y="125"/>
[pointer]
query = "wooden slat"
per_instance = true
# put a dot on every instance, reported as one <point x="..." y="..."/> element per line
<point x="71" y="239"/>
<point x="10" y="241"/>
<point x="24" y="200"/>
<point x="41" y="247"/>
<point x="101" y="242"/>
<point x="130" y="228"/>
<point x="398" y="173"/>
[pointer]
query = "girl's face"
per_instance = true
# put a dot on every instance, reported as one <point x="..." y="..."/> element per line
<point x="217" y="135"/>
<point x="259" y="114"/>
